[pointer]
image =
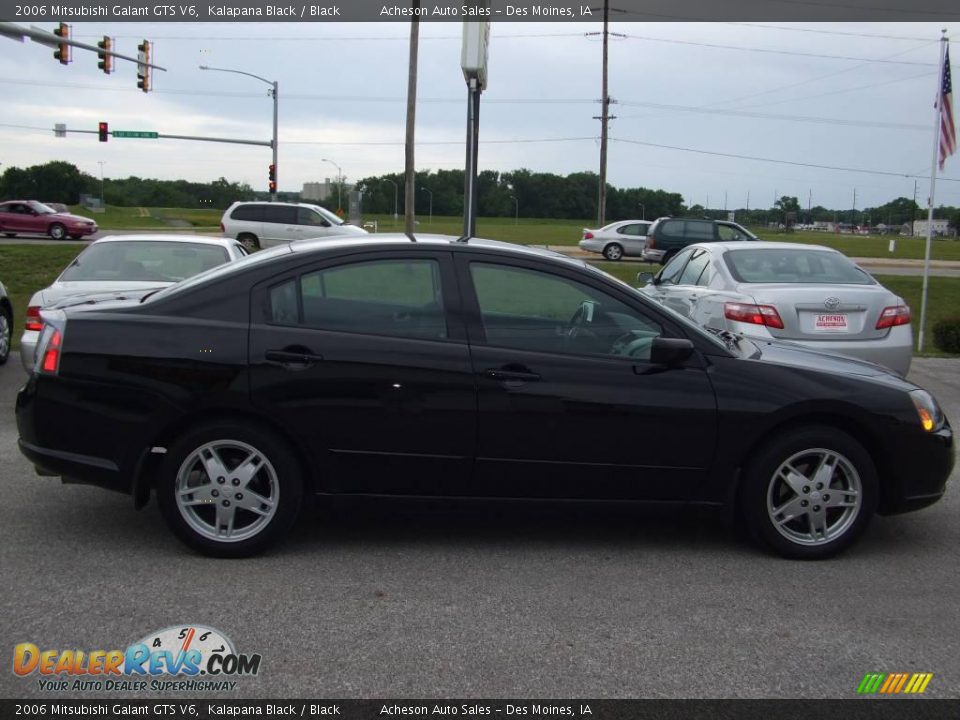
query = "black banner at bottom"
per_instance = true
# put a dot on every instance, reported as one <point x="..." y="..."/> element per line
<point x="860" y="709"/>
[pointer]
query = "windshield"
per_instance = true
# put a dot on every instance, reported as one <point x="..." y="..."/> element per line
<point x="327" y="215"/>
<point x="674" y="315"/>
<point x="795" y="266"/>
<point x="41" y="208"/>
<point x="144" y="261"/>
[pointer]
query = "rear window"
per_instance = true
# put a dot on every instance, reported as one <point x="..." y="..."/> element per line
<point x="768" y="265"/>
<point x="143" y="260"/>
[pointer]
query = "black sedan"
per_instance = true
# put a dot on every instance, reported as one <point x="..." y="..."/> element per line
<point x="461" y="369"/>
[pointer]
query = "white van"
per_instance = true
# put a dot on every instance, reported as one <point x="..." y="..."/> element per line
<point x="264" y="224"/>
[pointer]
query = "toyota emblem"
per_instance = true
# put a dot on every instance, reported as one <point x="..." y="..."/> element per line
<point x="831" y="303"/>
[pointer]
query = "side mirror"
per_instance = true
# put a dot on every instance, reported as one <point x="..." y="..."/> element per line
<point x="325" y="223"/>
<point x="671" y="352"/>
<point x="646" y="277"/>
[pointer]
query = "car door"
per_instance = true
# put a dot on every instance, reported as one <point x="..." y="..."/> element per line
<point x="311" y="224"/>
<point x="683" y="295"/>
<point x="633" y="237"/>
<point x="667" y="278"/>
<point x="569" y="404"/>
<point x="280" y="224"/>
<point x="364" y="360"/>
<point x="20" y="218"/>
<point x="7" y="219"/>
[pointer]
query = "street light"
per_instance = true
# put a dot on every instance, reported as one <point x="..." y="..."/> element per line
<point x="396" y="191"/>
<point x="101" y="163"/>
<point x="275" y="93"/>
<point x="431" y="202"/>
<point x="516" y="209"/>
<point x="339" y="180"/>
<point x="643" y="211"/>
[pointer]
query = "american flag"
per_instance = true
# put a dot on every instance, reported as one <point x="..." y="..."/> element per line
<point x="948" y="133"/>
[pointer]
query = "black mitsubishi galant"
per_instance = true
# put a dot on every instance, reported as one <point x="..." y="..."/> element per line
<point x="473" y="369"/>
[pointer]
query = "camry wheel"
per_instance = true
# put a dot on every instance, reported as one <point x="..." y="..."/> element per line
<point x="810" y="493"/>
<point x="6" y="329"/>
<point x="229" y="490"/>
<point x="613" y="252"/>
<point x="57" y="231"/>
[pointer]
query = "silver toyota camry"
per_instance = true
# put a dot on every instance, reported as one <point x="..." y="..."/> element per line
<point x="123" y="264"/>
<point x="807" y="294"/>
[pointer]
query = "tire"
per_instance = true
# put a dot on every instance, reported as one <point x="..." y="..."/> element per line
<point x="57" y="231"/>
<point x="791" y="513"/>
<point x="6" y="334"/>
<point x="10" y="234"/>
<point x="613" y="252"/>
<point x="199" y="518"/>
<point x="250" y="242"/>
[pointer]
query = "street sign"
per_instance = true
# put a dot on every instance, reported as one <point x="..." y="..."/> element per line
<point x="60" y="130"/>
<point x="143" y="134"/>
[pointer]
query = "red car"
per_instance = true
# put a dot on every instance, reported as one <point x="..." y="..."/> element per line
<point x="29" y="217"/>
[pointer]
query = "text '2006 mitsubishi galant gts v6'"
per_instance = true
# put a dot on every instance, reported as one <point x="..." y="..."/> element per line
<point x="478" y="369"/>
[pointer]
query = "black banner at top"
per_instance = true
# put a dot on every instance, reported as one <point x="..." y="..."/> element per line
<point x="495" y="10"/>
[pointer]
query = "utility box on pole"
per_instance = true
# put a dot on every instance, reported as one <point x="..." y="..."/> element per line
<point x="473" y="62"/>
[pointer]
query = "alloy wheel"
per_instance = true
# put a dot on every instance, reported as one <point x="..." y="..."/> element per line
<point x="5" y="331"/>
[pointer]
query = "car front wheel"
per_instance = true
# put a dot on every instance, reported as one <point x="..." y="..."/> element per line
<point x="57" y="231"/>
<point x="613" y="252"/>
<point x="6" y="330"/>
<point x="227" y="489"/>
<point x="809" y="493"/>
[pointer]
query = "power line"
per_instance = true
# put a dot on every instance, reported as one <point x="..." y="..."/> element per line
<point x="330" y="38"/>
<point x="775" y="51"/>
<point x="913" y="11"/>
<point x="827" y="32"/>
<point x="773" y="160"/>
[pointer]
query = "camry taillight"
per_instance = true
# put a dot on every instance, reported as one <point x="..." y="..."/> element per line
<point x="755" y="314"/>
<point x="588" y="236"/>
<point x="893" y="316"/>
<point x="32" y="320"/>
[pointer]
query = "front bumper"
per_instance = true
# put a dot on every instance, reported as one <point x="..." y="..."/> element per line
<point x="916" y="472"/>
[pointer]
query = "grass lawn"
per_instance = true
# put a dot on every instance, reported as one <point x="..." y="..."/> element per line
<point x="133" y="218"/>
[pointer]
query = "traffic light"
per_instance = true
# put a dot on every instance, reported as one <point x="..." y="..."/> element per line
<point x="143" y="66"/>
<point x="104" y="132"/>
<point x="273" y="173"/>
<point x="62" y="53"/>
<point x="106" y="60"/>
<point x="273" y="187"/>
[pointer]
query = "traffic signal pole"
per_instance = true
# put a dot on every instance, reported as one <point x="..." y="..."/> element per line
<point x="164" y="136"/>
<point x="276" y="90"/>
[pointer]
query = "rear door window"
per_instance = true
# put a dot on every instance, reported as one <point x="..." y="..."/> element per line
<point x="248" y="213"/>
<point x="280" y="214"/>
<point x="699" y="230"/>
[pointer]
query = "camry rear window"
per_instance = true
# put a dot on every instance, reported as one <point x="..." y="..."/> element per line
<point x="144" y="261"/>
<point x="769" y="265"/>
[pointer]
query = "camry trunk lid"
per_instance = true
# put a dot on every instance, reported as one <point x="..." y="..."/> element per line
<point x="825" y="312"/>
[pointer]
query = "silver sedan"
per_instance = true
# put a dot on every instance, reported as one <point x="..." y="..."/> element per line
<point x="770" y="291"/>
<point x="126" y="263"/>
<point x="625" y="238"/>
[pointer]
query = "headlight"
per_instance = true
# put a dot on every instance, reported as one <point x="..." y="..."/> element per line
<point x="931" y="416"/>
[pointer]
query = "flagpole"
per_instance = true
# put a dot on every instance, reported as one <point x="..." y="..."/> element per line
<point x="933" y="187"/>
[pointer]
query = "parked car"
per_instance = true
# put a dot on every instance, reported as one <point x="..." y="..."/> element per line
<point x="124" y="264"/>
<point x="461" y="369"/>
<point x="263" y="224"/>
<point x="808" y="294"/>
<point x="29" y="217"/>
<point x="668" y="236"/>
<point x="6" y="324"/>
<point x="625" y="238"/>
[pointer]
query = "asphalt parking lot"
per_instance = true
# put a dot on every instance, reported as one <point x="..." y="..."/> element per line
<point x="396" y="600"/>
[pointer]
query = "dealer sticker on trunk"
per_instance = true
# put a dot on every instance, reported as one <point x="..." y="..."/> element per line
<point x="830" y="323"/>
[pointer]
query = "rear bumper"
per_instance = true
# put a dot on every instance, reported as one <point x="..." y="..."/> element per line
<point x="652" y="255"/>
<point x="28" y="346"/>
<point x="593" y="245"/>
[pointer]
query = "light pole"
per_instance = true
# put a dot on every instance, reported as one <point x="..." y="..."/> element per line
<point x="275" y="93"/>
<point x="339" y="180"/>
<point x="643" y="211"/>
<point x="101" y="163"/>
<point x="431" y="201"/>
<point x="396" y="191"/>
<point x="516" y="209"/>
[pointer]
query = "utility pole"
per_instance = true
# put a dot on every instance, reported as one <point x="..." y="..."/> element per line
<point x="410" y="187"/>
<point x="605" y="117"/>
<point x="853" y="213"/>
<point x="724" y="200"/>
<point x="748" y="200"/>
<point x="101" y="163"/>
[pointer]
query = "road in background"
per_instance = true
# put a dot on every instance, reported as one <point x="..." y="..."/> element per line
<point x="490" y="600"/>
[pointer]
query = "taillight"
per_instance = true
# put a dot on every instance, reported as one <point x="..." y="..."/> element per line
<point x="893" y="316"/>
<point x="222" y="228"/>
<point x="650" y="242"/>
<point x="588" y="236"/>
<point x="51" y="353"/>
<point x="32" y="320"/>
<point x="754" y="314"/>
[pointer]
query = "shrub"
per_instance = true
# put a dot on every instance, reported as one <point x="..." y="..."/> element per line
<point x="946" y="334"/>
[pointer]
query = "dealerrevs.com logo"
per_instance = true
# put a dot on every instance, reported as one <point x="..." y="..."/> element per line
<point x="181" y="657"/>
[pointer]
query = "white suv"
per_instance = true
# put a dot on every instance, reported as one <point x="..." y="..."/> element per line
<point x="263" y="224"/>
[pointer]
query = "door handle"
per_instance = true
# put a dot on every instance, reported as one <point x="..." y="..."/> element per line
<point x="510" y="375"/>
<point x="291" y="360"/>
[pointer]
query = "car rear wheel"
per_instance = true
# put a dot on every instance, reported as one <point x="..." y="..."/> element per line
<point x="809" y="493"/>
<point x="613" y="251"/>
<point x="228" y="489"/>
<point x="6" y="330"/>
<point x="57" y="231"/>
<point x="250" y="242"/>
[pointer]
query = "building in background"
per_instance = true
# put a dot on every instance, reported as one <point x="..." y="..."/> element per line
<point x="940" y="228"/>
<point x="321" y="191"/>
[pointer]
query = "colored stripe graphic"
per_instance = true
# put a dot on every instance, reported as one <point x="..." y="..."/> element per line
<point x="894" y="683"/>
